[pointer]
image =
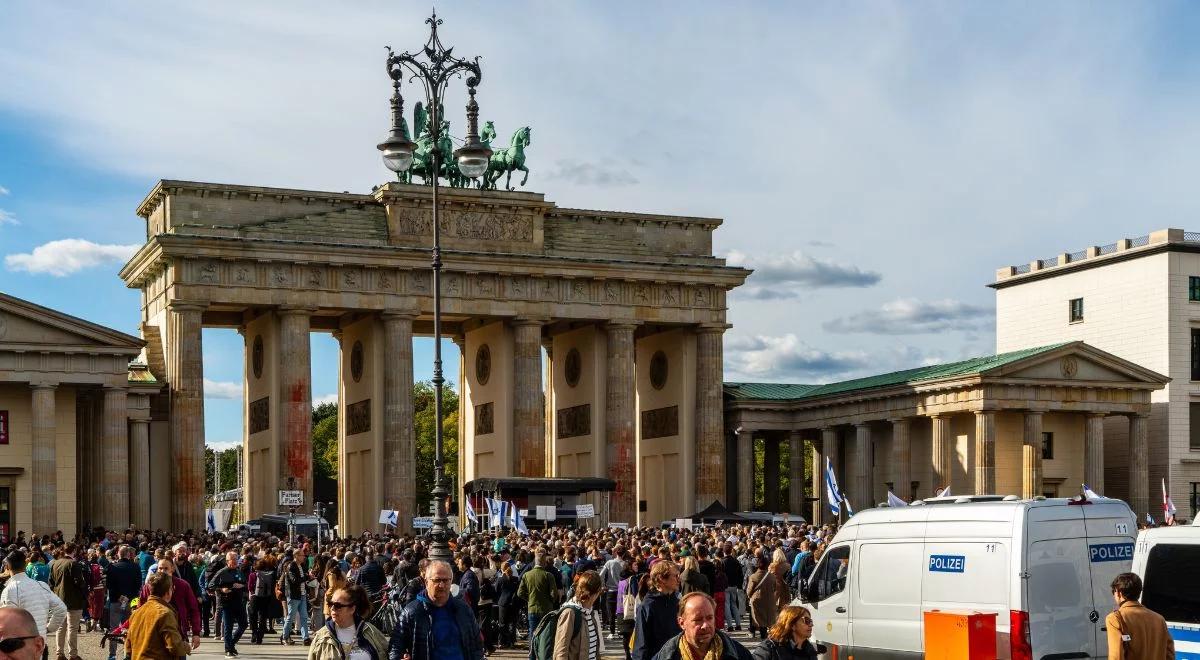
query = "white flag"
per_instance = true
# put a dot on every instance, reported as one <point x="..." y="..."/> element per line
<point x="832" y="493"/>
<point x="1090" y="494"/>
<point x="945" y="492"/>
<point x="895" y="501"/>
<point x="1168" y="506"/>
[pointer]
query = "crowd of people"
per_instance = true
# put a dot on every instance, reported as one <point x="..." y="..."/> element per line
<point x="566" y="592"/>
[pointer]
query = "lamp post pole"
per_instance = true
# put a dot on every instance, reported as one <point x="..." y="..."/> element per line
<point x="433" y="72"/>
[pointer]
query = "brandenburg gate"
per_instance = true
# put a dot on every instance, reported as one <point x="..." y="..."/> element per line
<point x="629" y="307"/>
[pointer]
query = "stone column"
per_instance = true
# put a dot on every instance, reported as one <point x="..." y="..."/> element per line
<point x="863" y="493"/>
<point x="295" y="401"/>
<point x="902" y="459"/>
<point x="1093" y="452"/>
<point x="529" y="430"/>
<point x="1139" y="472"/>
<point x="830" y="443"/>
<point x="548" y="413"/>
<point x="942" y="452"/>
<point x="710" y="455"/>
<point x="114" y="460"/>
<point x="819" y="509"/>
<point x="1031" y="456"/>
<point x="44" y="468"/>
<point x="796" y="473"/>
<point x="771" y="474"/>
<point x="399" y="449"/>
<point x="139" y="468"/>
<point x="186" y="379"/>
<point x="745" y="469"/>
<point x="985" y="452"/>
<point x="461" y="342"/>
<point x="620" y="414"/>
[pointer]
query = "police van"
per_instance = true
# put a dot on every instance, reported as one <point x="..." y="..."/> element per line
<point x="1044" y="566"/>
<point x="1168" y="561"/>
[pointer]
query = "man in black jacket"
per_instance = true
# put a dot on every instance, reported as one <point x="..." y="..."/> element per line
<point x="735" y="597"/>
<point x="124" y="580"/>
<point x="229" y="584"/>
<point x="657" y="617"/>
<point x="436" y="621"/>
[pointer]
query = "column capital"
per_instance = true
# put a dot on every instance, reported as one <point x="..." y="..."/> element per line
<point x="712" y="328"/>
<point x="1138" y="415"/>
<point x="398" y="315"/>
<point x="528" y="321"/>
<point x="622" y="324"/>
<point x="139" y="420"/>
<point x="899" y="420"/>
<point x="187" y="306"/>
<point x="116" y="388"/>
<point x="1093" y="414"/>
<point x="43" y="386"/>
<point x="863" y="425"/>
<point x="295" y="310"/>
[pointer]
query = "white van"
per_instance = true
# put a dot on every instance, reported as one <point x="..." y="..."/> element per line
<point x="1168" y="561"/>
<point x="1044" y="566"/>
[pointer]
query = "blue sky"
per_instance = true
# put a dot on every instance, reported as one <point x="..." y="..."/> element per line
<point x="875" y="162"/>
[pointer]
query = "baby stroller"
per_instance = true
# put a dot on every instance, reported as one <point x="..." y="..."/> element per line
<point x="118" y="634"/>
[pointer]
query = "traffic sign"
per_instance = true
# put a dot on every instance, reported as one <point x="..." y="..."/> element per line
<point x="291" y="498"/>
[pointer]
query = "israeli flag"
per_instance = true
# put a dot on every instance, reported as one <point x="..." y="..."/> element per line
<point x="1168" y="506"/>
<point x="518" y="521"/>
<point x="494" y="508"/>
<point x="210" y="522"/>
<point x="1149" y="520"/>
<point x="1089" y="494"/>
<point x="832" y="493"/>
<point x="895" y="501"/>
<point x="849" y="511"/>
<point x="470" y="511"/>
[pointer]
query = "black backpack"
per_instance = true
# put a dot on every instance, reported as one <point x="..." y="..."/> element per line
<point x="264" y="584"/>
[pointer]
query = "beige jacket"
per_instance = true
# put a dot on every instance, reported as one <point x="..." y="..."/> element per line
<point x="1147" y="631"/>
<point x="567" y="647"/>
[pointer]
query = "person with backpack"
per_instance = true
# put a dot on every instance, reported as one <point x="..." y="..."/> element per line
<point x="261" y="584"/>
<point x="506" y="606"/>
<point x="434" y="625"/>
<point x="574" y="631"/>
<point x="539" y="590"/>
<point x="68" y="581"/>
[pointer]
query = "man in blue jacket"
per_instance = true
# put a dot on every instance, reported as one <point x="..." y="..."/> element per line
<point x="436" y="626"/>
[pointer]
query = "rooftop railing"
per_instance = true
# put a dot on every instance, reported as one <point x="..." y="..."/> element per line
<point x="1154" y="238"/>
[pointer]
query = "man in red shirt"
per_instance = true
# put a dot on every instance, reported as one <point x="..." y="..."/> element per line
<point x="187" y="607"/>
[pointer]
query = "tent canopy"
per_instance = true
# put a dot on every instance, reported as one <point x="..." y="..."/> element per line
<point x="716" y="512"/>
<point x="510" y="486"/>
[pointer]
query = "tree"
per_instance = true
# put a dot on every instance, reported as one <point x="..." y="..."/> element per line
<point x="324" y="441"/>
<point x="229" y="465"/>
<point x="423" y="422"/>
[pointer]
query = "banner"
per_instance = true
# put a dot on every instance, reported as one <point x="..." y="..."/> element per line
<point x="585" y="511"/>
<point x="683" y="523"/>
<point x="547" y="513"/>
<point x="423" y="523"/>
<point x="388" y="517"/>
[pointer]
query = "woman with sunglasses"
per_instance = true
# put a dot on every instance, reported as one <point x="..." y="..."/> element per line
<point x="347" y="635"/>
<point x="790" y="637"/>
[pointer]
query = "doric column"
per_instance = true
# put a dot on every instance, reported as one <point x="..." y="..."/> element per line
<point x="399" y="450"/>
<point x="1031" y="456"/>
<point x="745" y="469"/>
<point x="620" y="414"/>
<point x="529" y="431"/>
<point x="710" y="455"/>
<point x="44" y="472"/>
<point x="295" y="398"/>
<point x="831" y="445"/>
<point x="902" y="459"/>
<point x="771" y="473"/>
<point x="863" y="493"/>
<point x="1139" y="473"/>
<point x="819" y="510"/>
<point x="548" y="414"/>
<point x="186" y="379"/>
<point x="985" y="452"/>
<point x="942" y="452"/>
<point x="463" y="448"/>
<point x="139" y="468"/>
<point x="796" y="473"/>
<point x="114" y="460"/>
<point x="1093" y="452"/>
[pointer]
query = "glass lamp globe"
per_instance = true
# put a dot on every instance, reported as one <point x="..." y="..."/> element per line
<point x="473" y="160"/>
<point x="397" y="153"/>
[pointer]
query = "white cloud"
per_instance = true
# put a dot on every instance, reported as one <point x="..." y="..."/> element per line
<point x="325" y="398"/>
<point x="604" y="174"/>
<point x="791" y="275"/>
<point x="912" y="316"/>
<point x="3" y="191"/>
<point x="222" y="445"/>
<point x="215" y="389"/>
<point x="7" y="218"/>
<point x="787" y="357"/>
<point x="68" y="256"/>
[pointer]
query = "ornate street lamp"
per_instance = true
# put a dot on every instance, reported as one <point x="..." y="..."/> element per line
<point x="433" y="72"/>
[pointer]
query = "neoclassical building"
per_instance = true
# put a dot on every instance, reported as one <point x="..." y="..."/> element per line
<point x="1029" y="422"/>
<point x="628" y="307"/>
<point x="77" y="436"/>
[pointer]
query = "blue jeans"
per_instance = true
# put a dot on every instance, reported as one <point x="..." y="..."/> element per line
<point x="534" y="619"/>
<point x="231" y="613"/>
<point x="296" y="607"/>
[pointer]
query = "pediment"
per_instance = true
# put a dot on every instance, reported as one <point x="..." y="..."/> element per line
<point x="26" y="325"/>
<point x="1078" y="362"/>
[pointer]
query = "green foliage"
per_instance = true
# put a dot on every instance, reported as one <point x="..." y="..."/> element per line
<point x="324" y="411"/>
<point x="229" y="478"/>
<point x="324" y="443"/>
<point x="785" y="473"/>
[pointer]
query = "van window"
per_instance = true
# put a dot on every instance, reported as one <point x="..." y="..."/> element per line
<point x="830" y="576"/>
<point x="1172" y="584"/>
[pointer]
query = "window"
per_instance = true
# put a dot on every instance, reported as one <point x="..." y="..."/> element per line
<point x="830" y="577"/>
<point x="1076" y="313"/>
<point x="1172" y="585"/>
<point x="1194" y="424"/>
<point x="1194" y="288"/>
<point x="1047" y="445"/>
<point x="1195" y="353"/>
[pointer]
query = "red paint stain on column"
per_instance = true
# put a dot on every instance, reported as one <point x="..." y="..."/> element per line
<point x="299" y="456"/>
